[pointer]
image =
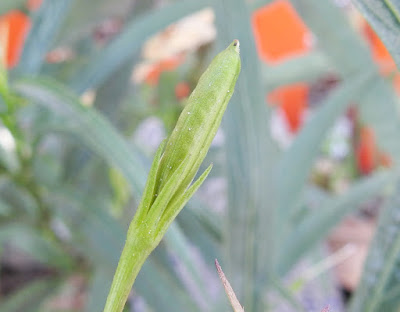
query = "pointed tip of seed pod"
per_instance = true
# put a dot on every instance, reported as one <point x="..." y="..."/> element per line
<point x="236" y="44"/>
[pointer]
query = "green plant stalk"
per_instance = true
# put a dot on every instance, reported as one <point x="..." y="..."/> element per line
<point x="132" y="258"/>
<point x="169" y="184"/>
<point x="375" y="298"/>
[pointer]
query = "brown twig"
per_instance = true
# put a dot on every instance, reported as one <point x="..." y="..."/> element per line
<point x="228" y="289"/>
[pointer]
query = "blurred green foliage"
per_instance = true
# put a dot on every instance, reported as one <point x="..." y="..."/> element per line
<point x="69" y="187"/>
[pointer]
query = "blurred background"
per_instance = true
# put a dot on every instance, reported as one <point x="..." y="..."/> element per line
<point x="302" y="205"/>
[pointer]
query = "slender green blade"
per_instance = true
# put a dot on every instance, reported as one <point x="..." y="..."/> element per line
<point x="46" y="24"/>
<point x="379" y="108"/>
<point x="83" y="18"/>
<point x="99" y="285"/>
<point x="384" y="17"/>
<point x="336" y="38"/>
<point x="318" y="225"/>
<point x="96" y="131"/>
<point x="129" y="42"/>
<point x="381" y="271"/>
<point x="250" y="154"/>
<point x="307" y="144"/>
<point x="348" y="54"/>
<point x="305" y="68"/>
<point x="101" y="239"/>
<point x="112" y="92"/>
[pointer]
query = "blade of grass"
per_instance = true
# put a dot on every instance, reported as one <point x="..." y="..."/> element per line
<point x="103" y="238"/>
<point x="200" y="289"/>
<point x="382" y="262"/>
<point x="384" y="17"/>
<point x="305" y="68"/>
<point x="356" y="57"/>
<point x="95" y="131"/>
<point x="250" y="154"/>
<point x="379" y="108"/>
<point x="317" y="226"/>
<point x="308" y="142"/>
<point x="320" y="16"/>
<point x="86" y="15"/>
<point x="46" y="24"/>
<point x="129" y="42"/>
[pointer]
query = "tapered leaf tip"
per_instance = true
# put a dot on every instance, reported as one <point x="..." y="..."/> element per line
<point x="228" y="289"/>
<point x="236" y="45"/>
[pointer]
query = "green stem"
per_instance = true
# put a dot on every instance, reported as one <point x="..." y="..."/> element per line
<point x="377" y="294"/>
<point x="134" y="254"/>
<point x="393" y="10"/>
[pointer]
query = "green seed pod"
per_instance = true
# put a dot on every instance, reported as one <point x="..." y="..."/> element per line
<point x="199" y="121"/>
<point x="168" y="186"/>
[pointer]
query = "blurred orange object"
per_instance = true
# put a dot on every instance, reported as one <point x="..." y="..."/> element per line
<point x="279" y="31"/>
<point x="17" y="25"/>
<point x="292" y="100"/>
<point x="182" y="90"/>
<point x="385" y="160"/>
<point x="34" y="4"/>
<point x="379" y="52"/>
<point x="366" y="151"/>
<point x="164" y="65"/>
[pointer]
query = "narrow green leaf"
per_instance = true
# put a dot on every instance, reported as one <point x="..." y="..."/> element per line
<point x="336" y="37"/>
<point x="96" y="131"/>
<point x="384" y="17"/>
<point x="316" y="226"/>
<point x="103" y="239"/>
<point x="340" y="44"/>
<point x="91" y="127"/>
<point x="305" y="68"/>
<point x="128" y="43"/>
<point x="200" y="286"/>
<point x="250" y="155"/>
<point x="149" y="188"/>
<point x="98" y="289"/>
<point x="177" y="205"/>
<point x="111" y="93"/>
<point x="46" y="23"/>
<point x="85" y="16"/>
<point x="381" y="271"/>
<point x="308" y="142"/>
<point x="161" y="204"/>
<point x="158" y="280"/>
<point x="184" y="152"/>
<point x="379" y="108"/>
<point x="202" y="231"/>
